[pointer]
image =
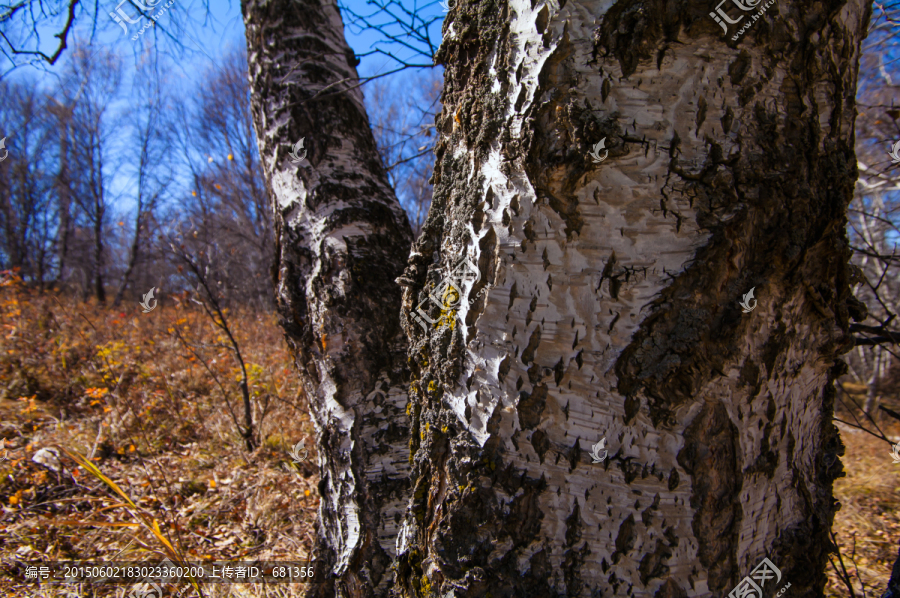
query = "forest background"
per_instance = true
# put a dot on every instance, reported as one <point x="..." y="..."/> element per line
<point x="131" y="164"/>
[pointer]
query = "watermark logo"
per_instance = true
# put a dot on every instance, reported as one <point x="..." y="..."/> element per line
<point x="595" y="154"/>
<point x="721" y="17"/>
<point x="447" y="5"/>
<point x="895" y="453"/>
<point x="145" y="302"/>
<point x="295" y="453"/>
<point x="3" y="147"/>
<point x="120" y="17"/>
<point x="746" y="302"/>
<point x="595" y="451"/>
<point x="143" y="590"/>
<point x="894" y="153"/>
<point x="70" y="593"/>
<point x="296" y="156"/>
<point x="448" y="296"/>
<point x="752" y="585"/>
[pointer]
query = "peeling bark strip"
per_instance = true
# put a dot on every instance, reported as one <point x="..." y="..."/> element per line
<point x="611" y="302"/>
<point x="342" y="239"/>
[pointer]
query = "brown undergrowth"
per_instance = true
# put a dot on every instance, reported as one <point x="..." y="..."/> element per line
<point x="867" y="526"/>
<point x="151" y="411"/>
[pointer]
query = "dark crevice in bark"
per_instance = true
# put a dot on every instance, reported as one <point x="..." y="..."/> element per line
<point x="709" y="456"/>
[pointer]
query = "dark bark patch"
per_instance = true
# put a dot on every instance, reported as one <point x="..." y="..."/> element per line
<point x="701" y="114"/>
<point x="531" y="406"/>
<point x="670" y="589"/>
<point x="625" y="539"/>
<point x="776" y="344"/>
<point x="674" y="479"/>
<point x="574" y="455"/>
<point x="539" y="571"/>
<point x="631" y="31"/>
<point x="647" y="515"/>
<point x="710" y="457"/>
<point x="543" y="19"/>
<point x="503" y="370"/>
<point x="558" y="371"/>
<point x="478" y="216"/>
<point x="727" y="120"/>
<point x="525" y="513"/>
<point x="632" y="408"/>
<point x="574" y="524"/>
<point x="607" y="269"/>
<point x="567" y="209"/>
<point x="767" y="461"/>
<point x="541" y="443"/>
<point x="573" y="563"/>
<point x="487" y="266"/>
<point x="653" y="564"/>
<point x="531" y="347"/>
<point x="771" y="409"/>
<point x="613" y="581"/>
<point x="630" y="470"/>
<point x="749" y="375"/>
<point x="739" y="68"/>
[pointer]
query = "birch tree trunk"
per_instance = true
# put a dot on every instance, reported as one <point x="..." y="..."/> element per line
<point x="606" y="303"/>
<point x="341" y="241"/>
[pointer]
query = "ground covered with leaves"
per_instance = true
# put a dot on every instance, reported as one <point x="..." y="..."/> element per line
<point x="152" y="403"/>
<point x="867" y="526"/>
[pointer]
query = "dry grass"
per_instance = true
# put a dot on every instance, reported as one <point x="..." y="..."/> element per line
<point x="867" y="525"/>
<point x="121" y="389"/>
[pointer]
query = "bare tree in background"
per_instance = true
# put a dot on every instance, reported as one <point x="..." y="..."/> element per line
<point x="27" y="216"/>
<point x="152" y="171"/>
<point x="874" y="216"/>
<point x="875" y="211"/>
<point x="403" y="124"/>
<point x="228" y="208"/>
<point x="62" y="185"/>
<point x="404" y="34"/>
<point x="93" y="122"/>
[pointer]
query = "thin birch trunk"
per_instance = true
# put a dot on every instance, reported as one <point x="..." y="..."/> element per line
<point x="341" y="241"/>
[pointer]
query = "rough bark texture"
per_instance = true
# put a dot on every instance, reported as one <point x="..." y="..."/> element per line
<point x="607" y="304"/>
<point x="342" y="240"/>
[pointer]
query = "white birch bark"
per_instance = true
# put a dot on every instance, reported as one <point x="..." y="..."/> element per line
<point x="342" y="240"/>
<point x="607" y="304"/>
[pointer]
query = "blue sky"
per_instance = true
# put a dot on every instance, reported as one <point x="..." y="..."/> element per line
<point x="204" y="35"/>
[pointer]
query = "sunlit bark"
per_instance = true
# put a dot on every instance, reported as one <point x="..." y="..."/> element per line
<point x="341" y="241"/>
<point x="608" y="300"/>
